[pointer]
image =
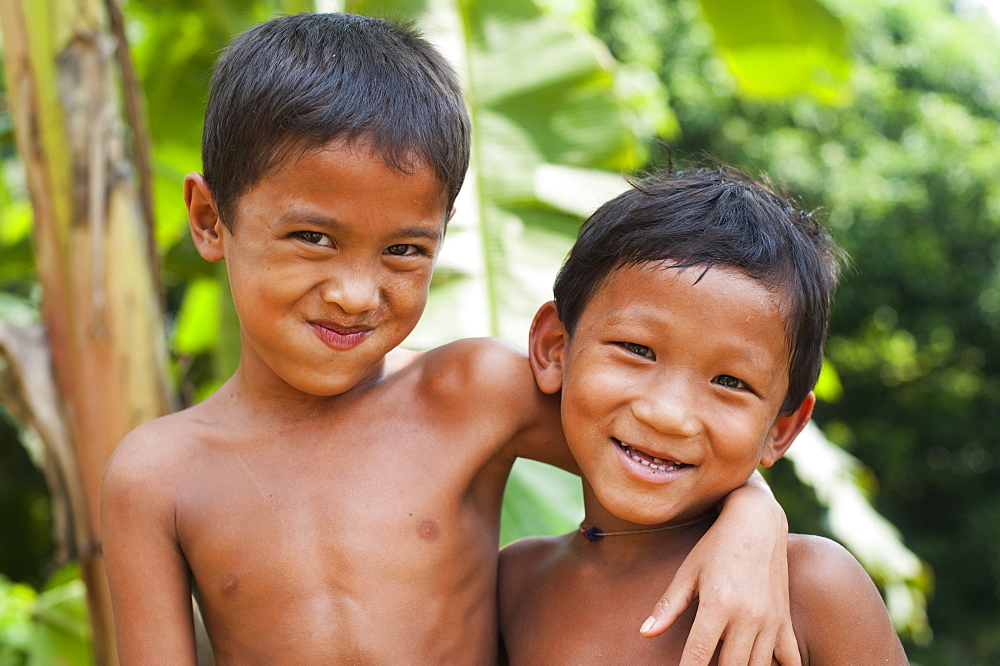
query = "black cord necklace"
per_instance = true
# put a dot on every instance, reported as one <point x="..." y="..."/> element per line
<point x="592" y="533"/>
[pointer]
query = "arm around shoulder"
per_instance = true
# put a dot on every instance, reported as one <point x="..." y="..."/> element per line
<point x="148" y="575"/>
<point x="499" y="386"/>
<point x="839" y="616"/>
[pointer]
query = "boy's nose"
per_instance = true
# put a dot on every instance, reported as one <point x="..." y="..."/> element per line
<point x="353" y="291"/>
<point x="668" y="409"/>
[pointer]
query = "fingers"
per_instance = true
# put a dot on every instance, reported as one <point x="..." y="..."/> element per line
<point x="786" y="647"/>
<point x="678" y="597"/>
<point x="741" y="646"/>
<point x="762" y="653"/>
<point x="747" y="643"/>
<point x="704" y="638"/>
<point x="747" y="639"/>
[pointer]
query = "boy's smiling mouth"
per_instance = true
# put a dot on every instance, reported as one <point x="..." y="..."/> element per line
<point x="341" y="338"/>
<point x="647" y="460"/>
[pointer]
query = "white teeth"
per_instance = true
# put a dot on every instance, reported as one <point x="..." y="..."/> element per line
<point x="658" y="463"/>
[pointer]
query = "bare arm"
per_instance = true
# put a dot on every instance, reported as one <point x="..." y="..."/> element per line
<point x="513" y="394"/>
<point x="148" y="576"/>
<point x="738" y="573"/>
<point x="839" y="615"/>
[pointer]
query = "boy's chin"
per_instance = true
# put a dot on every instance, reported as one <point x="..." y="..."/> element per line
<point x="332" y="383"/>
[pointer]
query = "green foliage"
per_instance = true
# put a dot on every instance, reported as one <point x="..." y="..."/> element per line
<point x="175" y="43"/>
<point x="782" y="47"/>
<point x="25" y="513"/>
<point x="539" y="499"/>
<point x="47" y="627"/>
<point x="17" y="263"/>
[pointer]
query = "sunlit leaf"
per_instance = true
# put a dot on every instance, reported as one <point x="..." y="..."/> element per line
<point x="828" y="387"/>
<point x="776" y="48"/>
<point x="47" y="627"/>
<point x="539" y="499"/>
<point x="198" y="320"/>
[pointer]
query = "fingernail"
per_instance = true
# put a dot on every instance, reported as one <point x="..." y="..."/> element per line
<point x="647" y="625"/>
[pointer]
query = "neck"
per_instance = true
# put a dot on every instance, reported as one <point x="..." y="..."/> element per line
<point x="629" y="542"/>
<point x="593" y="533"/>
<point x="271" y="399"/>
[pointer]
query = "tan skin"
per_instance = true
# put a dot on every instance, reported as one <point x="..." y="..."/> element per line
<point x="338" y="499"/>
<point x="716" y="344"/>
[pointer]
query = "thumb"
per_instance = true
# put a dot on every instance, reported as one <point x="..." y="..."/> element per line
<point x="680" y="594"/>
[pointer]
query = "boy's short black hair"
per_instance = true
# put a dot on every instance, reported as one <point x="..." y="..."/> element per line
<point x="295" y="83"/>
<point x="714" y="217"/>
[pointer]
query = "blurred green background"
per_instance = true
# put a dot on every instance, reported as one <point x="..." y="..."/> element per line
<point x="884" y="114"/>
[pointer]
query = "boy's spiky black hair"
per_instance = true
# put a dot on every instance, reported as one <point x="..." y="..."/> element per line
<point x="706" y="217"/>
<point x="298" y="82"/>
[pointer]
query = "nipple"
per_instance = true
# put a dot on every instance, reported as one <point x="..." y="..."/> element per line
<point x="428" y="529"/>
<point x="229" y="585"/>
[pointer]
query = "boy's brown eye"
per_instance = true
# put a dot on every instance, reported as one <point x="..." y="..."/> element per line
<point x="730" y="382"/>
<point x="640" y="350"/>
<point x="315" y="238"/>
<point x="400" y="249"/>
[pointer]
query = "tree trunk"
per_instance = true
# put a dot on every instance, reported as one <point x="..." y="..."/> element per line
<point x="100" y="306"/>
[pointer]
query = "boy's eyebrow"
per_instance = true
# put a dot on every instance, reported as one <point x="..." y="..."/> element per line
<point x="757" y="360"/>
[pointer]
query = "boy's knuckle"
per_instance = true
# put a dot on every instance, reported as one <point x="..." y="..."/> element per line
<point x="663" y="605"/>
<point x="755" y="615"/>
<point x="700" y="651"/>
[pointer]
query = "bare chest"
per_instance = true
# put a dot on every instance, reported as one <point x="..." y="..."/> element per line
<point x="584" y="619"/>
<point x="350" y="552"/>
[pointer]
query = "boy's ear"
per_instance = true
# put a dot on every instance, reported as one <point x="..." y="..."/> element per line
<point x="547" y="342"/>
<point x="785" y="430"/>
<point x="203" y="216"/>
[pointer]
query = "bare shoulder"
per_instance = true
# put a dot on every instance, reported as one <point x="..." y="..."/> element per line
<point x="487" y="383"/>
<point x="155" y="442"/>
<point x="475" y="363"/>
<point x="521" y="562"/>
<point x="528" y="554"/>
<point x="807" y="551"/>
<point x="483" y="378"/>
<point x="147" y="572"/>
<point x="838" y="613"/>
<point x="146" y="463"/>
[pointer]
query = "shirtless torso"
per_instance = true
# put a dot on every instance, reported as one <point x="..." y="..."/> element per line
<point x="565" y="601"/>
<point x="335" y="534"/>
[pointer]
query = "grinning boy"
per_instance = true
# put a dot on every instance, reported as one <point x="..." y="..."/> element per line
<point x="686" y="335"/>
<point x="337" y="500"/>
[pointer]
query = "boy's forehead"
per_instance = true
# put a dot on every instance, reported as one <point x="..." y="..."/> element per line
<point x="637" y="292"/>
<point x="299" y="162"/>
<point x="703" y="277"/>
<point x="341" y="181"/>
<point x="357" y="147"/>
